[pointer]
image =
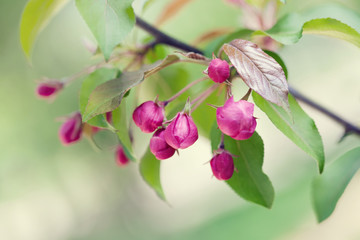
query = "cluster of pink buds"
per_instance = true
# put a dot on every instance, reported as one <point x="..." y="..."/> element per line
<point x="234" y="119"/>
<point x="179" y="134"/>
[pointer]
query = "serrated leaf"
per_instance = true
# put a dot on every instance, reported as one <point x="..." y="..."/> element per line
<point x="332" y="28"/>
<point x="121" y="122"/>
<point x="107" y="96"/>
<point x="248" y="181"/>
<point x="290" y="28"/>
<point x="328" y="187"/>
<point x="89" y="84"/>
<point x="36" y="16"/>
<point x="336" y="11"/>
<point x="300" y="129"/>
<point x="259" y="71"/>
<point x="110" y="21"/>
<point x="150" y="171"/>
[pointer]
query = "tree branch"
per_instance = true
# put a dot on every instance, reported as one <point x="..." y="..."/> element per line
<point x="349" y="128"/>
<point x="162" y="38"/>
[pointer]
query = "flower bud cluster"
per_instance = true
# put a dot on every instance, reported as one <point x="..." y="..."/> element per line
<point x="179" y="134"/>
<point x="234" y="119"/>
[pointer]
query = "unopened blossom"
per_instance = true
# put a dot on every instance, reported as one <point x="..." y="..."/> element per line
<point x="48" y="88"/>
<point x="149" y="116"/>
<point x="70" y="131"/>
<point x="181" y="132"/>
<point x="159" y="147"/>
<point x="218" y="70"/>
<point x="120" y="157"/>
<point x="236" y="119"/>
<point x="222" y="165"/>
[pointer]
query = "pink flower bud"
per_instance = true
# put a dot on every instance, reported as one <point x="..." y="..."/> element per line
<point x="70" y="131"/>
<point x="218" y="70"/>
<point x="159" y="147"/>
<point x="48" y="88"/>
<point x="222" y="165"/>
<point x="120" y="157"/>
<point x="148" y="116"/>
<point x="236" y="119"/>
<point x="181" y="132"/>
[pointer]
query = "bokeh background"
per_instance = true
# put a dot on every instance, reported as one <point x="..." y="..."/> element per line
<point x="48" y="191"/>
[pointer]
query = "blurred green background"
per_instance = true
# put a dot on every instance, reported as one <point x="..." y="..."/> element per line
<point x="48" y="191"/>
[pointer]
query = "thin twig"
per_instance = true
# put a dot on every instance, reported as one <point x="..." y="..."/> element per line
<point x="185" y="89"/>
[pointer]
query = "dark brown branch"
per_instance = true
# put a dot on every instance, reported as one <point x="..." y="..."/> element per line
<point x="162" y="38"/>
<point x="349" y="128"/>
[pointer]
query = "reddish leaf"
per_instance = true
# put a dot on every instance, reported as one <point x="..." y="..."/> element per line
<point x="259" y="71"/>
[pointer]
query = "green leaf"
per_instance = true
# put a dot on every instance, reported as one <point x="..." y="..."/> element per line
<point x="248" y="181"/>
<point x="36" y="16"/>
<point x="107" y="96"/>
<point x="121" y="122"/>
<point x="89" y="84"/>
<point x="336" y="11"/>
<point x="301" y="129"/>
<point x="150" y="171"/>
<point x="110" y="21"/>
<point x="290" y="28"/>
<point x="328" y="187"/>
<point x="332" y="28"/>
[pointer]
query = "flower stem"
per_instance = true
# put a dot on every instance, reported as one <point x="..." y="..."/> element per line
<point x="93" y="68"/>
<point x="222" y="145"/>
<point x="203" y="96"/>
<point x="247" y="95"/>
<point x="184" y="89"/>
